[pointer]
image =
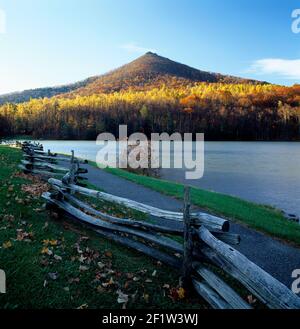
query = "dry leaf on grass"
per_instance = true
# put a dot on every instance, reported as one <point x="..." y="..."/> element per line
<point x="122" y="298"/>
<point x="46" y="251"/>
<point x="36" y="189"/>
<point x="58" y="258"/>
<point x="101" y="265"/>
<point x="177" y="293"/>
<point x="108" y="254"/>
<point x="53" y="276"/>
<point x="7" y="245"/>
<point x="109" y="283"/>
<point x="83" y="268"/>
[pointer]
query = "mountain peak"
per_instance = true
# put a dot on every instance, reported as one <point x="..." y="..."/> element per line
<point x="152" y="70"/>
<point x="148" y="71"/>
<point x="150" y="53"/>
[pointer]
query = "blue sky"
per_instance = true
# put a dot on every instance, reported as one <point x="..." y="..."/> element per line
<point x="52" y="42"/>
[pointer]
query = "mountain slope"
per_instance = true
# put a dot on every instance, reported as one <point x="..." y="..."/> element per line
<point x="26" y="95"/>
<point x="152" y="70"/>
<point x="148" y="71"/>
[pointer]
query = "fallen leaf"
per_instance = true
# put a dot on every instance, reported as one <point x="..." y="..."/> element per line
<point x="58" y="258"/>
<point x="130" y="275"/>
<point x="36" y="189"/>
<point x="101" y="265"/>
<point x="174" y="294"/>
<point x="181" y="293"/>
<point x="82" y="258"/>
<point x="46" y="251"/>
<point x="74" y="280"/>
<point x="109" y="283"/>
<point x="7" y="245"/>
<point x="53" y="276"/>
<point x="122" y="298"/>
<point x="83" y="268"/>
<point x="44" y="262"/>
<point x="108" y="254"/>
<point x="10" y="188"/>
<point x="53" y="243"/>
<point x="146" y="298"/>
<point x="9" y="218"/>
<point x="83" y="307"/>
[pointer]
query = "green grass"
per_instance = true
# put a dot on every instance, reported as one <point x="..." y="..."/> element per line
<point x="27" y="269"/>
<point x="259" y="217"/>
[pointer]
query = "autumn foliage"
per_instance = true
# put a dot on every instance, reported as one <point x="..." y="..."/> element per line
<point x="222" y="111"/>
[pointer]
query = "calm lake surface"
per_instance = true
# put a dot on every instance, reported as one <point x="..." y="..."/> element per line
<point x="263" y="172"/>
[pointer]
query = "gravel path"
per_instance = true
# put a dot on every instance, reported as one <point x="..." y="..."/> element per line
<point x="276" y="257"/>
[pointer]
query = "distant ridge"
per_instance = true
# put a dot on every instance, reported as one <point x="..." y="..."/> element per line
<point x="147" y="71"/>
<point x="26" y="95"/>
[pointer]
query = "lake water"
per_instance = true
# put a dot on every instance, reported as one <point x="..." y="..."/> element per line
<point x="263" y="172"/>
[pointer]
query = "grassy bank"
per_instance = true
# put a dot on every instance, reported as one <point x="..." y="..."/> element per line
<point x="53" y="263"/>
<point x="262" y="218"/>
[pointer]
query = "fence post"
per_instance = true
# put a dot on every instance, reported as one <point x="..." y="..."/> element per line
<point x="72" y="170"/>
<point x="188" y="241"/>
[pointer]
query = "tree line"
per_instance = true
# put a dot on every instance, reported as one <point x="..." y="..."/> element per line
<point x="221" y="111"/>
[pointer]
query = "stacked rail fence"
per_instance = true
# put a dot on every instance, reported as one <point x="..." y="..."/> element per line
<point x="206" y="242"/>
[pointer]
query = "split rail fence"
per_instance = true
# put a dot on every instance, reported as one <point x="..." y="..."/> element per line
<point x="206" y="243"/>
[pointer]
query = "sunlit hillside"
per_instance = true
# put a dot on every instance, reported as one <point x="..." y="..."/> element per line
<point x="221" y="111"/>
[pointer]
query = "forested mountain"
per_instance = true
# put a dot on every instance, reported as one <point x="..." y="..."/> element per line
<point x="154" y="94"/>
<point x="150" y="71"/>
<point x="145" y="72"/>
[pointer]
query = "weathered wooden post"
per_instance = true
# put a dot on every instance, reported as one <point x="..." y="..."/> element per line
<point x="31" y="160"/>
<point x="187" y="265"/>
<point x="72" y="171"/>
